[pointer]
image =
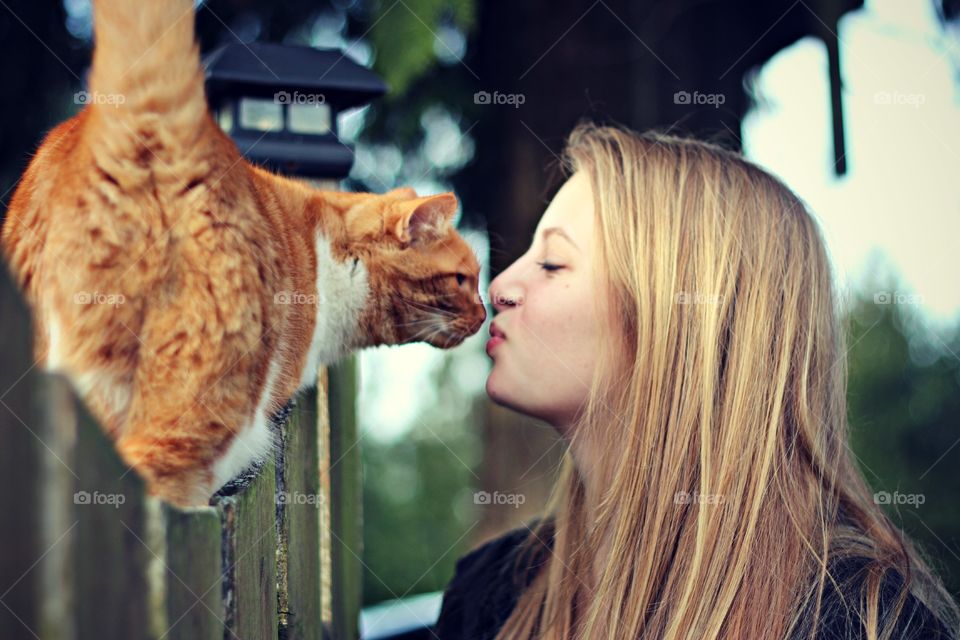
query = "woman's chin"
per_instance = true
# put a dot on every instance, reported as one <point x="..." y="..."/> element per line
<point x="495" y="390"/>
<point x="491" y="388"/>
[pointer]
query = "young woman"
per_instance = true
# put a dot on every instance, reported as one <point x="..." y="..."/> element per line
<point x="675" y="319"/>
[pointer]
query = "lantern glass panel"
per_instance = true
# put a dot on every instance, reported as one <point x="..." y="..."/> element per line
<point x="261" y="115"/>
<point x="311" y="118"/>
<point x="225" y="115"/>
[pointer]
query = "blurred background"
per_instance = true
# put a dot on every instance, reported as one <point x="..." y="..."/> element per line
<point x="855" y="104"/>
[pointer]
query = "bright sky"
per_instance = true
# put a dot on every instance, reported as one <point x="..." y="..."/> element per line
<point x="902" y="117"/>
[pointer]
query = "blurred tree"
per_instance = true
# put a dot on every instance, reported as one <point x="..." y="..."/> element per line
<point x="904" y="409"/>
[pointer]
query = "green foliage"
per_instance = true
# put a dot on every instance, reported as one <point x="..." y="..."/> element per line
<point x="904" y="409"/>
<point x="403" y="34"/>
<point x="418" y="506"/>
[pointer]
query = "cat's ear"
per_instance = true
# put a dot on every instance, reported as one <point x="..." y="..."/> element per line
<point x="401" y="193"/>
<point x="421" y="218"/>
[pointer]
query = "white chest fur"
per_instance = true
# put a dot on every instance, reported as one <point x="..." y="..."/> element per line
<point x="341" y="295"/>
<point x="342" y="290"/>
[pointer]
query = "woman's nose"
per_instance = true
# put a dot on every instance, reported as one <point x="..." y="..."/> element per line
<point x="503" y="294"/>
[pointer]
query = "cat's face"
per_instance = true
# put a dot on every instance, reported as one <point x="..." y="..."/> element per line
<point x="423" y="276"/>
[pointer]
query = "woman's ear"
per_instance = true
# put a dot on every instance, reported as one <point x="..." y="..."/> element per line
<point x="418" y="219"/>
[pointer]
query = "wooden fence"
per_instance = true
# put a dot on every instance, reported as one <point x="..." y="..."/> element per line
<point x="85" y="554"/>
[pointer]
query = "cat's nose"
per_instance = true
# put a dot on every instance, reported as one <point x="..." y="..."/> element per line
<point x="480" y="318"/>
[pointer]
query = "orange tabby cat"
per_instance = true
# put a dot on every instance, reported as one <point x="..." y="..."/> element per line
<point x="188" y="294"/>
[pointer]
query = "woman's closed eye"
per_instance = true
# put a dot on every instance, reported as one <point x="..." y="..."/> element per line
<point x="548" y="266"/>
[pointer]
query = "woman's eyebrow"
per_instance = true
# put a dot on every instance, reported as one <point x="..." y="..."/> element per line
<point x="546" y="233"/>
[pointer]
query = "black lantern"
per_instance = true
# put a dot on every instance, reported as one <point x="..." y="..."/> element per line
<point x="279" y="103"/>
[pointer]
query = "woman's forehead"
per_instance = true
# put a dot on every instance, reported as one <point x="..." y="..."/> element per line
<point x="571" y="208"/>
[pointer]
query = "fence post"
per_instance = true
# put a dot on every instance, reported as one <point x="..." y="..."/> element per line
<point x="111" y="554"/>
<point x="298" y="518"/>
<point x="346" y="500"/>
<point x="21" y="458"/>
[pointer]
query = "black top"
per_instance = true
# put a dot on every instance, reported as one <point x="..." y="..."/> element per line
<point x="483" y="592"/>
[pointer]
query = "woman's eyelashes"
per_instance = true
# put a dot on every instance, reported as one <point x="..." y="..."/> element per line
<point x="548" y="266"/>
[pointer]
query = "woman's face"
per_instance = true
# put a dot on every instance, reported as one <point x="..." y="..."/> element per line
<point x="547" y="311"/>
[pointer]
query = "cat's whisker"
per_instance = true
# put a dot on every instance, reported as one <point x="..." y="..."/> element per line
<point x="424" y="334"/>
<point x="421" y="321"/>
<point x="430" y="308"/>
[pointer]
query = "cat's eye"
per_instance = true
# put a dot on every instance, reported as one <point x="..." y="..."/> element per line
<point x="461" y="278"/>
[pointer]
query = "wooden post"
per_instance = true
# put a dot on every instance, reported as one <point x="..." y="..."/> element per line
<point x="194" y="590"/>
<point x="346" y="500"/>
<point x="298" y="515"/>
<point x="250" y="557"/>
<point x="21" y="459"/>
<point x="111" y="554"/>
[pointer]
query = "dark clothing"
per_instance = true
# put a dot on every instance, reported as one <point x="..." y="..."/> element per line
<point x="482" y="593"/>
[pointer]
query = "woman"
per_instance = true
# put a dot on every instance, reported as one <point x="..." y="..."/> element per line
<point x="675" y="320"/>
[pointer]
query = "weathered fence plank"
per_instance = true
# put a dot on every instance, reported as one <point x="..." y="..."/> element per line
<point x="111" y="556"/>
<point x="346" y="500"/>
<point x="21" y="458"/>
<point x="298" y="514"/>
<point x="194" y="602"/>
<point x="250" y="557"/>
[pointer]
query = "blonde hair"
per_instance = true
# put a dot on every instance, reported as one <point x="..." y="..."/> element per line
<point x="719" y="412"/>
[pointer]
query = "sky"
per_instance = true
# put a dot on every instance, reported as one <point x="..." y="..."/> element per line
<point x="900" y="199"/>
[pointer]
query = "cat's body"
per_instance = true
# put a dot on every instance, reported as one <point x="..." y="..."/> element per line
<point x="188" y="294"/>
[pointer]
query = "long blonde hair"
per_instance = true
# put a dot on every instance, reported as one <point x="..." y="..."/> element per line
<point x="719" y="412"/>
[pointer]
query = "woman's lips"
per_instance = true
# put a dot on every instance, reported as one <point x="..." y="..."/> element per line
<point x="493" y="342"/>
<point x="496" y="337"/>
